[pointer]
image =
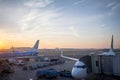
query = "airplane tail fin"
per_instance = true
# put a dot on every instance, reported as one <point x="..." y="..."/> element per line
<point x="112" y="43"/>
<point x="35" y="50"/>
<point x="111" y="51"/>
<point x="36" y="45"/>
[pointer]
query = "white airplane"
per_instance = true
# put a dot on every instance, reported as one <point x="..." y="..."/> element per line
<point x="111" y="50"/>
<point x="79" y="71"/>
<point x="12" y="56"/>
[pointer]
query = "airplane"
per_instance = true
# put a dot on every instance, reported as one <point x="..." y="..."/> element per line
<point x="111" y="50"/>
<point x="12" y="56"/>
<point x="79" y="71"/>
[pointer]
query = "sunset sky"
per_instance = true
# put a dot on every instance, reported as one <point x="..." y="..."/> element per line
<point x="59" y="23"/>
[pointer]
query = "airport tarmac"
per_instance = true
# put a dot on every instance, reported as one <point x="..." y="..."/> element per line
<point x="21" y="74"/>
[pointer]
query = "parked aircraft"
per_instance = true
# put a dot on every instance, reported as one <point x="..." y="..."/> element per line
<point x="12" y="56"/>
<point x="79" y="71"/>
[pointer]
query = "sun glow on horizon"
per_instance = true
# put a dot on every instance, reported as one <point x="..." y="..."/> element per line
<point x="4" y="45"/>
<point x="56" y="44"/>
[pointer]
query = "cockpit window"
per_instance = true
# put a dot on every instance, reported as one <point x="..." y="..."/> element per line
<point x="84" y="66"/>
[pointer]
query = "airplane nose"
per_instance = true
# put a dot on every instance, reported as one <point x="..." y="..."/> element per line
<point x="79" y="73"/>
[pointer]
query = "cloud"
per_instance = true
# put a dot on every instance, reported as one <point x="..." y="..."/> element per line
<point x="117" y="6"/>
<point x="111" y="4"/>
<point x="35" y="19"/>
<point x="44" y="22"/>
<point x="16" y="17"/>
<point x="114" y="7"/>
<point x="74" y="32"/>
<point x="38" y="3"/>
<point x="10" y="17"/>
<point x="78" y="2"/>
<point x="103" y="25"/>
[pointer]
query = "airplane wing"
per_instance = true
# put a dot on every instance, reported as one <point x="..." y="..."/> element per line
<point x="68" y="57"/>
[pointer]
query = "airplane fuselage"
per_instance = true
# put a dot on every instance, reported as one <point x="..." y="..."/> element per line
<point x="17" y="54"/>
